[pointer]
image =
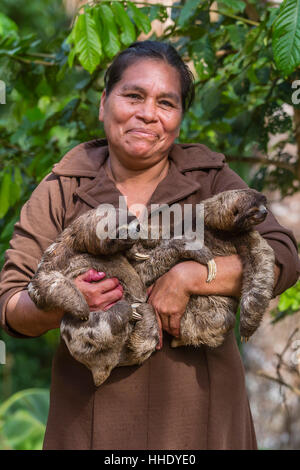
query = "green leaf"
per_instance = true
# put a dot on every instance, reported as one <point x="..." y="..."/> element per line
<point x="87" y="42"/>
<point x="202" y="49"/>
<point x="128" y="35"/>
<point x="71" y="57"/>
<point x="5" y="193"/>
<point x="141" y="20"/>
<point x="23" y="417"/>
<point x="237" y="35"/>
<point x="233" y="5"/>
<point x="290" y="298"/>
<point x="18" y="182"/>
<point x="109" y="32"/>
<point x="187" y="11"/>
<point x="211" y="98"/>
<point x="7" y="232"/>
<point x="286" y="37"/>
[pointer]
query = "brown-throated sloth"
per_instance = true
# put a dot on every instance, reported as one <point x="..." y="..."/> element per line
<point x="127" y="333"/>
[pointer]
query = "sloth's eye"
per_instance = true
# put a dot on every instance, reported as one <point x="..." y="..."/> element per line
<point x="133" y="228"/>
<point x="235" y="212"/>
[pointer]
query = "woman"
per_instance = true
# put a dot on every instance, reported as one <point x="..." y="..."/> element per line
<point x="184" y="398"/>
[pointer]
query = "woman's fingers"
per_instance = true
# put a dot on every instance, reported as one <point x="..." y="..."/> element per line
<point x="164" y="321"/>
<point x="171" y="323"/>
<point x="112" y="297"/>
<point x="107" y="285"/>
<point x="99" y="293"/>
<point x="105" y="300"/>
<point x="149" y="290"/>
<point x="92" y="276"/>
<point x="174" y="325"/>
<point x="160" y="332"/>
<point x="169" y="298"/>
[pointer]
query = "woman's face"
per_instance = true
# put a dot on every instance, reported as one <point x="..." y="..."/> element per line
<point x="142" y="113"/>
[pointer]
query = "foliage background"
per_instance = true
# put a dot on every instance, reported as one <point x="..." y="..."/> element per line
<point x="245" y="58"/>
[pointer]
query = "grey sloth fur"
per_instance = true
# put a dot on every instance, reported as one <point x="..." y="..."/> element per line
<point x="128" y="333"/>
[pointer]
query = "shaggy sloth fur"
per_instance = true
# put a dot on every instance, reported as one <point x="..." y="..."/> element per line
<point x="127" y="333"/>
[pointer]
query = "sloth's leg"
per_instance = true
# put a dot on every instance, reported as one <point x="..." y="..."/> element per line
<point x="104" y="328"/>
<point x="258" y="281"/>
<point x="52" y="290"/>
<point x="207" y="320"/>
<point x="98" y="343"/>
<point x="144" y="337"/>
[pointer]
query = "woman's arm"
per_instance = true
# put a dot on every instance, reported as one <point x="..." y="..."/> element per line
<point x="24" y="317"/>
<point x="279" y="238"/>
<point x="171" y="292"/>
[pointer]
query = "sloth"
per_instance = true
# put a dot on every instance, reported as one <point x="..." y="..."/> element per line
<point x="128" y="333"/>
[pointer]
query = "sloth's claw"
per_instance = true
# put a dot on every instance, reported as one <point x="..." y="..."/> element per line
<point x="135" y="305"/>
<point x="84" y="318"/>
<point x="141" y="256"/>
<point x="244" y="339"/>
<point x="136" y="315"/>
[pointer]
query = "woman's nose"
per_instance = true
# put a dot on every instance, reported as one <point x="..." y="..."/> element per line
<point x="147" y="111"/>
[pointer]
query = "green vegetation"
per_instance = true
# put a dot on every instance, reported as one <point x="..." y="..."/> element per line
<point x="23" y="419"/>
<point x="245" y="56"/>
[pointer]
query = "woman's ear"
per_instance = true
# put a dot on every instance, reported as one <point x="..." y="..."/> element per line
<point x="101" y="108"/>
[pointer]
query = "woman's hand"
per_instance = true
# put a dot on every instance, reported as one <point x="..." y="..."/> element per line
<point x="169" y="296"/>
<point x="99" y="293"/>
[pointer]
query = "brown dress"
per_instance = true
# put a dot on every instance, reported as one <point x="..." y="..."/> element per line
<point x="184" y="398"/>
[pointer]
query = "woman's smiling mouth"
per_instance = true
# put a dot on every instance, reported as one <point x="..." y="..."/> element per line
<point x="142" y="132"/>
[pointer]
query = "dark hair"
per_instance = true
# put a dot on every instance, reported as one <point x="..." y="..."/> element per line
<point x="152" y="50"/>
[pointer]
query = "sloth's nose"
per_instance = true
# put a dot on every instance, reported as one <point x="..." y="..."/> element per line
<point x="262" y="209"/>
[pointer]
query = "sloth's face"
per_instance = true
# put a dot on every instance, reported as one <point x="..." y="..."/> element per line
<point x="250" y="210"/>
<point x="237" y="210"/>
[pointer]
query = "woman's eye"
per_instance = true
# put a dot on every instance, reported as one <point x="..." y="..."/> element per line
<point x="167" y="103"/>
<point x="134" y="96"/>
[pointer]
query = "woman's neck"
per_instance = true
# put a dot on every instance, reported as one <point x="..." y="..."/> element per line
<point x="123" y="175"/>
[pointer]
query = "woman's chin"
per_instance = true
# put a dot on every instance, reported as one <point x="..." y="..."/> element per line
<point x="142" y="151"/>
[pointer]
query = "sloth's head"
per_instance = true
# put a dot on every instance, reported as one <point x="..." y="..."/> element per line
<point x="235" y="210"/>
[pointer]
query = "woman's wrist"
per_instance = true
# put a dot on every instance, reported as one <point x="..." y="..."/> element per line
<point x="191" y="275"/>
<point x="24" y="317"/>
<point x="228" y="280"/>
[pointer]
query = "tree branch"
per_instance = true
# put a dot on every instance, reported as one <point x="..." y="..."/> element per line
<point x="235" y="17"/>
<point x="28" y="61"/>
<point x="261" y="373"/>
<point x="262" y="161"/>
